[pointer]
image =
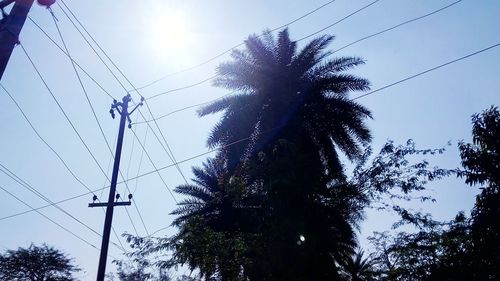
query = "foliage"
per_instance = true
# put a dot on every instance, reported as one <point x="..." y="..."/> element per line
<point x="276" y="204"/>
<point x="481" y="161"/>
<point x="284" y="183"/>
<point x="438" y="251"/>
<point x="283" y="93"/>
<point x="358" y="268"/>
<point x="36" y="263"/>
<point x="465" y="248"/>
<point x="397" y="174"/>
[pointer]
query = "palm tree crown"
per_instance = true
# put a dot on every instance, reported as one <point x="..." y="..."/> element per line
<point x="283" y="93"/>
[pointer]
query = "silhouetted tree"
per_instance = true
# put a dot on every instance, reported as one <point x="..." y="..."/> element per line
<point x="358" y="268"/>
<point x="36" y="263"/>
<point x="481" y="161"/>
<point x="465" y="248"/>
<point x="294" y="110"/>
<point x="300" y="96"/>
<point x="437" y="251"/>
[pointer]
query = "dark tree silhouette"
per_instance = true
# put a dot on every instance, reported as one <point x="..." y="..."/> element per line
<point x="465" y="248"/>
<point x="36" y="263"/>
<point x="358" y="268"/>
<point x="481" y="161"/>
<point x="294" y="109"/>
<point x="288" y="94"/>
<point x="215" y="222"/>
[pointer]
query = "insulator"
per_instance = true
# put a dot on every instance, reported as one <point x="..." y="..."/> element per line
<point x="130" y="197"/>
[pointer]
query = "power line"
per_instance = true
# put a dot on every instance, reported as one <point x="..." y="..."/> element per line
<point x="167" y="149"/>
<point x="427" y="71"/>
<point x="50" y="147"/>
<point x="76" y="63"/>
<point x="43" y="139"/>
<point x="184" y="108"/>
<point x="88" y="43"/>
<point x="340" y="20"/>
<point x="140" y="160"/>
<point x="335" y="51"/>
<point x="61" y="108"/>
<point x="303" y="38"/>
<point x="232" y="48"/>
<point x="55" y="203"/>
<point x="51" y="220"/>
<point x="89" y="103"/>
<point x="166" y="143"/>
<point x="156" y="170"/>
<point x="182" y="88"/>
<point x="30" y="188"/>
<point x="104" y="90"/>
<point x="398" y="25"/>
<point x="64" y="113"/>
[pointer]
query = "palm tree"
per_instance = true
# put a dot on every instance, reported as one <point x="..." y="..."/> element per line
<point x="358" y="268"/>
<point x="283" y="183"/>
<point x="213" y="222"/>
<point x="221" y="200"/>
<point x="283" y="93"/>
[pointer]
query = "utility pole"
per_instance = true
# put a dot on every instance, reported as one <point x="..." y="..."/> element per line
<point x="10" y="28"/>
<point x="122" y="109"/>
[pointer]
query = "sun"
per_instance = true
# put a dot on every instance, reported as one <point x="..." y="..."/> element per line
<point x="170" y="33"/>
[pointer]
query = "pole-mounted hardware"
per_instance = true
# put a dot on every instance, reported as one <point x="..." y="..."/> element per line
<point x="122" y="109"/>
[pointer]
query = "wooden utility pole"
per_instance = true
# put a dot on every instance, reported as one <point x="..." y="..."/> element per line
<point x="10" y="28"/>
<point x="122" y="109"/>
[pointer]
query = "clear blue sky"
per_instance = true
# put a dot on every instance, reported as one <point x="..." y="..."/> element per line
<point x="432" y="109"/>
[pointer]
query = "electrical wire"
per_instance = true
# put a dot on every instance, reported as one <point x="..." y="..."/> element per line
<point x="397" y="25"/>
<point x="156" y="170"/>
<point x="166" y="148"/>
<point x="76" y="63"/>
<point x="174" y="160"/>
<point x="30" y="188"/>
<point x="140" y="160"/>
<point x="232" y="48"/>
<point x="93" y="79"/>
<point x="303" y="38"/>
<point x="183" y="108"/>
<point x="51" y="220"/>
<point x="50" y="147"/>
<point x="335" y="51"/>
<point x="89" y="102"/>
<point x="61" y="108"/>
<point x="339" y="21"/>
<point x="427" y="71"/>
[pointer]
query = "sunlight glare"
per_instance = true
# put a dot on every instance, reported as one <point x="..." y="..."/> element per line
<point x="170" y="34"/>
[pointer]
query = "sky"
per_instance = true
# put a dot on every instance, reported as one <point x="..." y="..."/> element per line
<point x="152" y="38"/>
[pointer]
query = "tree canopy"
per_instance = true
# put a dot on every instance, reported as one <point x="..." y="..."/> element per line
<point x="36" y="263"/>
<point x="276" y="203"/>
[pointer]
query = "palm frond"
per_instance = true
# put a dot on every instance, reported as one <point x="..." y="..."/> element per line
<point x="285" y="48"/>
<point x="336" y="65"/>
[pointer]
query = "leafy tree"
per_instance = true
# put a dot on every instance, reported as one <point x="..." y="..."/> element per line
<point x="36" y="263"/>
<point x="481" y="161"/>
<point x="437" y="251"/>
<point x="465" y="248"/>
